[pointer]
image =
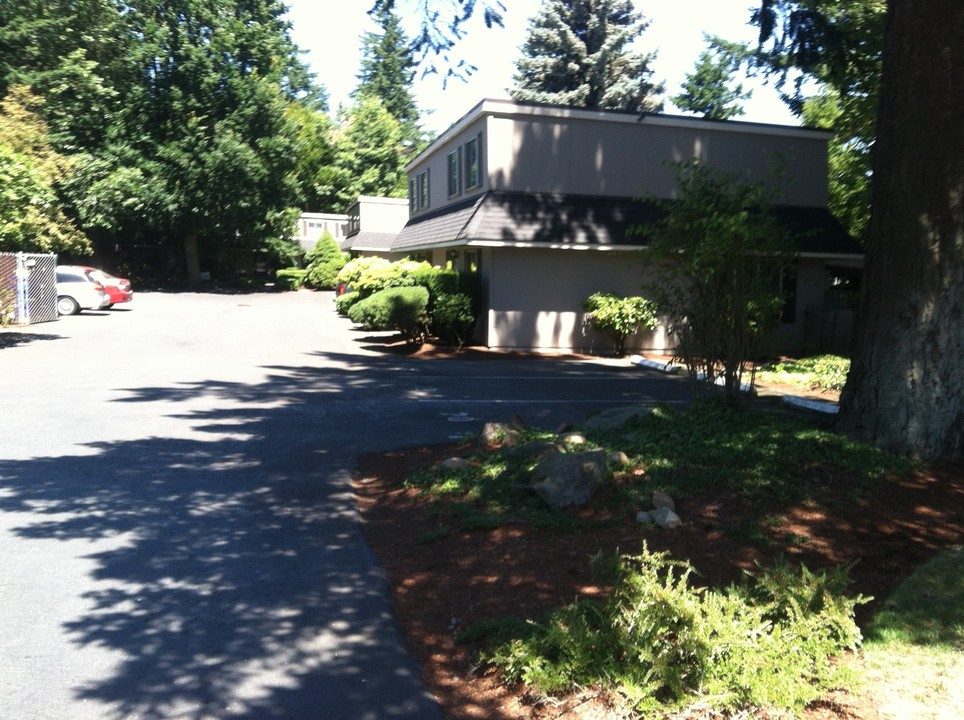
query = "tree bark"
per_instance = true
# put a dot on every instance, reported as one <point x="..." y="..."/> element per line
<point x="192" y="261"/>
<point x="905" y="391"/>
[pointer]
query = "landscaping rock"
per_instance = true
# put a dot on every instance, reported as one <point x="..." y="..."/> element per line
<point x="455" y="463"/>
<point x="564" y="428"/>
<point x="614" y="418"/>
<point x="574" y="438"/>
<point x="499" y="434"/>
<point x="618" y="458"/>
<point x="569" y="479"/>
<point x="661" y="499"/>
<point x="535" y="450"/>
<point x="666" y="518"/>
<point x="644" y="518"/>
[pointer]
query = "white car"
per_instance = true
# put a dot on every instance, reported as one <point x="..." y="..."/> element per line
<point x="78" y="290"/>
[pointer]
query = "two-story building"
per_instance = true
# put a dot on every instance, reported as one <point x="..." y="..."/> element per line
<point x="541" y="199"/>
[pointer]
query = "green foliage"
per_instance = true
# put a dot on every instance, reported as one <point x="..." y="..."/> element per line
<point x="368" y="275"/>
<point x="453" y="318"/>
<point x="719" y="253"/>
<point x="371" y="152"/>
<point x="580" y="53"/>
<point x="343" y="303"/>
<point x="289" y="278"/>
<point x="395" y="308"/>
<point x="662" y="641"/>
<point x="927" y="609"/>
<point x="388" y="68"/>
<point x="619" y="317"/>
<point x="821" y="372"/>
<point x="324" y="262"/>
<point x="32" y="217"/>
<point x="838" y="43"/>
<point x="706" y="91"/>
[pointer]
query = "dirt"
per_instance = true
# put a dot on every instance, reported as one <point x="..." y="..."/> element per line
<point x="439" y="588"/>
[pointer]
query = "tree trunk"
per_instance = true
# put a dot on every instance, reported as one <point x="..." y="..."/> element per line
<point x="905" y="391"/>
<point x="192" y="260"/>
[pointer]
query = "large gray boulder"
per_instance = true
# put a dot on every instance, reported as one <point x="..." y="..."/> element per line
<point x="569" y="479"/>
<point x="614" y="418"/>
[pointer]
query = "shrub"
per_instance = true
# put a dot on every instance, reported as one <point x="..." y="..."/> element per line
<point x="289" y="278"/>
<point x="368" y="275"/>
<point x="324" y="261"/>
<point x="344" y="303"/>
<point x="402" y="309"/>
<point x="619" y="317"/>
<point x="453" y="318"/>
<point x="820" y="372"/>
<point x="321" y="275"/>
<point x="767" y="643"/>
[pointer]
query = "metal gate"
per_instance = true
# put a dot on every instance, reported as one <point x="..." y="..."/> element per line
<point x="28" y="287"/>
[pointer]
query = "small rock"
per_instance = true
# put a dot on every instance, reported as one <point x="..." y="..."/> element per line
<point x="455" y="463"/>
<point x="564" y="428"/>
<point x="574" y="438"/>
<point x="666" y="518"/>
<point x="618" y="457"/>
<point x="498" y="434"/>
<point x="517" y="421"/>
<point x="662" y="500"/>
<point x="644" y="518"/>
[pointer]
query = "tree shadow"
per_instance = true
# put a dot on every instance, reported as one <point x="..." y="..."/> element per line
<point x="227" y="572"/>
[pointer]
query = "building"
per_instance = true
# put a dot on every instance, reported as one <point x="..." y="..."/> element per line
<point x="311" y="226"/>
<point x="541" y="201"/>
<point x="374" y="224"/>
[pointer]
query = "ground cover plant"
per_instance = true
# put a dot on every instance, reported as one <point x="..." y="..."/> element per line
<point x="472" y="556"/>
<point x="820" y="372"/>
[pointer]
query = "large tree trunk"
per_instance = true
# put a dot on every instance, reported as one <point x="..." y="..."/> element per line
<point x="905" y="391"/>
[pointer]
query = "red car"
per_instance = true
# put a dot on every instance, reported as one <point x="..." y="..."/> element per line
<point x="118" y="289"/>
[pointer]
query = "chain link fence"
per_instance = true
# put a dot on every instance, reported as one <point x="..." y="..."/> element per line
<point x="28" y="288"/>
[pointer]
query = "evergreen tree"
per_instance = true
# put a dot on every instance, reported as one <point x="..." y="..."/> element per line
<point x="388" y="68"/>
<point x="578" y="53"/>
<point x="371" y="153"/>
<point x="707" y="91"/>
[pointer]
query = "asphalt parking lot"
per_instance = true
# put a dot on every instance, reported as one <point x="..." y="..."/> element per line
<point x="177" y="530"/>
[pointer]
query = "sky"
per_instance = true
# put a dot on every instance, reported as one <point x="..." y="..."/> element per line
<point x="330" y="32"/>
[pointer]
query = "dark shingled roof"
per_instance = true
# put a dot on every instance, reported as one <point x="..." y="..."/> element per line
<point x="370" y="241"/>
<point x="539" y="219"/>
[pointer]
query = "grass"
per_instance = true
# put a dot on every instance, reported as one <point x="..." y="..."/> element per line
<point x="914" y="649"/>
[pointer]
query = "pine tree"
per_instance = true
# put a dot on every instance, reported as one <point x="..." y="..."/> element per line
<point x="707" y="91"/>
<point x="388" y="68"/>
<point x="578" y="53"/>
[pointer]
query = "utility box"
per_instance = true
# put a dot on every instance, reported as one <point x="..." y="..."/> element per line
<point x="28" y="287"/>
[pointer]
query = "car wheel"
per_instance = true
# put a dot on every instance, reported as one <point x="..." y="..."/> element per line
<point x="66" y="305"/>
<point x="108" y="306"/>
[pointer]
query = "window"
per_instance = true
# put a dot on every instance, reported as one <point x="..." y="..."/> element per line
<point x="455" y="172"/>
<point x="412" y="196"/>
<point x="473" y="162"/>
<point x="423" y="190"/>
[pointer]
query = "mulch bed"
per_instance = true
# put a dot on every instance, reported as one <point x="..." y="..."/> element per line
<point x="441" y="587"/>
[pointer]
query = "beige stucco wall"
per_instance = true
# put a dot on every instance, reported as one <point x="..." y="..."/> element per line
<point x="628" y="159"/>
<point x="534" y="297"/>
<point x="381" y="214"/>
